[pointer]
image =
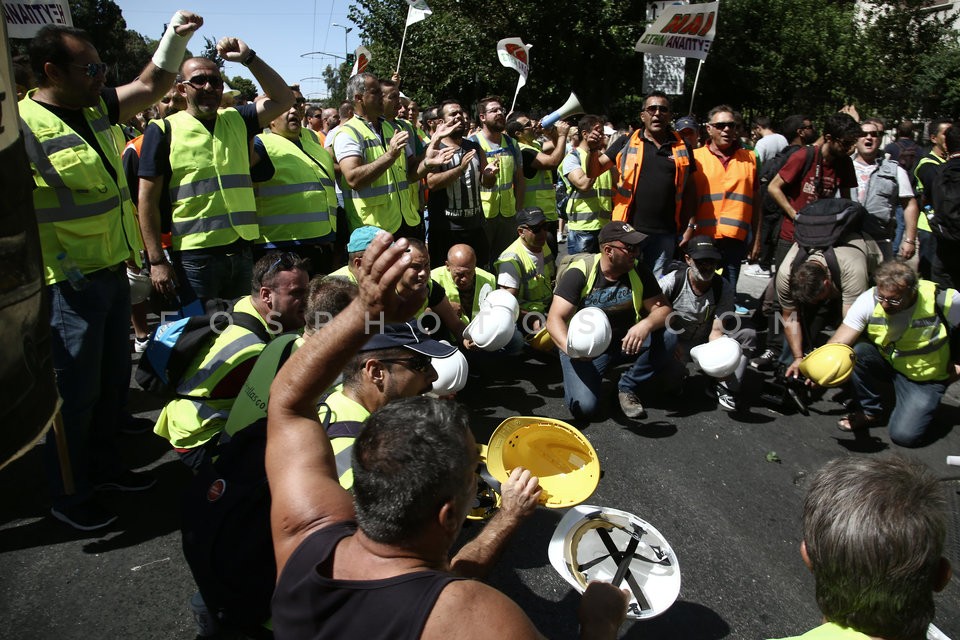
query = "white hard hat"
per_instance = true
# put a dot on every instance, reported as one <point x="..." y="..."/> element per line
<point x="140" y="286"/>
<point x="582" y="549"/>
<point x="718" y="358"/>
<point x="451" y="373"/>
<point x="589" y="333"/>
<point x="491" y="329"/>
<point x="502" y="298"/>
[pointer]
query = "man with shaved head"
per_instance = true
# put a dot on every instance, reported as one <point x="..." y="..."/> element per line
<point x="463" y="281"/>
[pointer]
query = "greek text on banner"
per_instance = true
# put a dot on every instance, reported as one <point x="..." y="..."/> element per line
<point x="26" y="17"/>
<point x="686" y="31"/>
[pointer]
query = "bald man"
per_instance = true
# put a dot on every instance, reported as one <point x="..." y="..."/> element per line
<point x="463" y="281"/>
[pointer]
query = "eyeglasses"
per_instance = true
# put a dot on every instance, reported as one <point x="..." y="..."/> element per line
<point x="893" y="302"/>
<point x="199" y="82"/>
<point x="284" y="262"/>
<point x="93" y="69"/>
<point x="722" y="125"/>
<point x="419" y="363"/>
<point x="872" y="134"/>
<point x="629" y="248"/>
<point x="537" y="228"/>
<point x="496" y="110"/>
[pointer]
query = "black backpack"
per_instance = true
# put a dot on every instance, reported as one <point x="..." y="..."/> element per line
<point x="907" y="157"/>
<point x="822" y="225"/>
<point x="174" y="346"/>
<point x="945" y="194"/>
<point x="771" y="168"/>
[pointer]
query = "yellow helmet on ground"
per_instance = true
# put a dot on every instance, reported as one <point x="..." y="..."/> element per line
<point x="554" y="451"/>
<point x="541" y="341"/>
<point x="610" y="545"/>
<point x="830" y="365"/>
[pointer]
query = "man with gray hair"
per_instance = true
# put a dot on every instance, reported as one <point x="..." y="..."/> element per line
<point x="873" y="534"/>
<point x="907" y="325"/>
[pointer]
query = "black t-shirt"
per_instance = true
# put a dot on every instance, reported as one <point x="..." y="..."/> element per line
<point x="615" y="298"/>
<point x="653" y="209"/>
<point x="155" y="152"/>
<point x="75" y="119"/>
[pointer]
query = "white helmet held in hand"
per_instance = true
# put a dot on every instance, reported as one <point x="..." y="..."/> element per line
<point x="451" y="373"/>
<point x="140" y="286"/>
<point x="491" y="329"/>
<point x="502" y="298"/>
<point x="718" y="358"/>
<point x="589" y="333"/>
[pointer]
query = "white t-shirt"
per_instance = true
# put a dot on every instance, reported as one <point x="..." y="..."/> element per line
<point x="509" y="277"/>
<point x="769" y="146"/>
<point x="859" y="315"/>
<point x="864" y="171"/>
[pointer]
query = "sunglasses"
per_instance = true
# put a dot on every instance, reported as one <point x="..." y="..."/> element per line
<point x="872" y="134"/>
<point x="199" y="82"/>
<point x="418" y="363"/>
<point x="93" y="69"/>
<point x="722" y="125"/>
<point x="284" y="262"/>
<point x="629" y="248"/>
<point x="657" y="108"/>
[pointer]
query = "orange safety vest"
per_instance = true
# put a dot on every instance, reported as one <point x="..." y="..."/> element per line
<point x="629" y="161"/>
<point x="725" y="194"/>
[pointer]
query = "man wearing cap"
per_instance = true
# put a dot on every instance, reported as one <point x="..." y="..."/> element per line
<point x="393" y="535"/>
<point x="589" y="205"/>
<point x="689" y="131"/>
<point x="625" y="289"/>
<point x="214" y="208"/>
<point x="527" y="269"/>
<point x="293" y="180"/>
<point x="360" y="239"/>
<point x="727" y="188"/>
<point x="463" y="281"/>
<point x="395" y="363"/>
<point x="703" y="303"/>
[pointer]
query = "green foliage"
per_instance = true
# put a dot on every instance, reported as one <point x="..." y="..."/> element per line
<point x="246" y="87"/>
<point x="210" y="51"/>
<point x="774" y="57"/>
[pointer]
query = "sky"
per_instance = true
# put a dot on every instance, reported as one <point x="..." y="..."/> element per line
<point x="279" y="36"/>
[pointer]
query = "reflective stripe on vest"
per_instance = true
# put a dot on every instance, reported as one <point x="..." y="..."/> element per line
<point x="630" y="160"/>
<point x="210" y="187"/>
<point x="589" y="210"/>
<point x="82" y="210"/>
<point x="251" y="404"/>
<point x="539" y="191"/>
<point x="410" y="201"/>
<point x="922" y="353"/>
<point x="590" y="267"/>
<point x="725" y="208"/>
<point x="500" y="199"/>
<point x="378" y="204"/>
<point x="338" y="411"/>
<point x="220" y="358"/>
<point x="299" y="201"/>
<point x="535" y="291"/>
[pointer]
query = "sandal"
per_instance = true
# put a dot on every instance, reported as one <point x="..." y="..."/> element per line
<point x="857" y="422"/>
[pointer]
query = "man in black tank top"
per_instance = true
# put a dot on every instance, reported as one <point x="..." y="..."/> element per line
<point x="376" y="564"/>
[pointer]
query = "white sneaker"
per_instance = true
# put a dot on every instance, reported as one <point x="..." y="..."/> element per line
<point x="756" y="271"/>
<point x="140" y="344"/>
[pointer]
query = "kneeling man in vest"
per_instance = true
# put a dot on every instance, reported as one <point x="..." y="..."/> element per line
<point x="527" y="268"/>
<point x="193" y="421"/>
<point x="627" y="292"/>
<point x="905" y="325"/>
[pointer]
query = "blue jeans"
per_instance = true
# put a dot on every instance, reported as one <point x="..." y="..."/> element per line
<point x="901" y="226"/>
<point x="91" y="359"/>
<point x="732" y="252"/>
<point x="209" y="275"/>
<point x="582" y="241"/>
<point x="656" y="250"/>
<point x="582" y="378"/>
<point x="916" y="402"/>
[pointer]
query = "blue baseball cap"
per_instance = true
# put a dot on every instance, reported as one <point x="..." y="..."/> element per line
<point x="361" y="238"/>
<point x="686" y="122"/>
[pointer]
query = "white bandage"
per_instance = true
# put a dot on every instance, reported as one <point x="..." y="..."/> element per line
<point x="172" y="46"/>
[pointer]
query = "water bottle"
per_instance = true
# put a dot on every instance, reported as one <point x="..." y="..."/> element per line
<point x="928" y="211"/>
<point x="70" y="269"/>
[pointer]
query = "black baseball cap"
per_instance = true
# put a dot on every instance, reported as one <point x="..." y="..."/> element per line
<point x="530" y="217"/>
<point x="702" y="248"/>
<point x="620" y="231"/>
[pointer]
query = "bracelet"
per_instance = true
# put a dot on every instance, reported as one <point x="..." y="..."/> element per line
<point x="250" y="58"/>
<point x="915" y="241"/>
<point x="692" y="226"/>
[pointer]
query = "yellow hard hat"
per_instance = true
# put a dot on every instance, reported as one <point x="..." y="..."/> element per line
<point x="487" y="502"/>
<point x="541" y="341"/>
<point x="830" y="365"/>
<point x="554" y="451"/>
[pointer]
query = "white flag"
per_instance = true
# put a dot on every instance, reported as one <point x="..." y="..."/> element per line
<point x="515" y="55"/>
<point x="417" y="11"/>
<point x="360" y="60"/>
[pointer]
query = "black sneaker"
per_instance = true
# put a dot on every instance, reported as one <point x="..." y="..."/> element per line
<point x="87" y="516"/>
<point x="128" y="481"/>
<point x="766" y="362"/>
<point x="134" y="426"/>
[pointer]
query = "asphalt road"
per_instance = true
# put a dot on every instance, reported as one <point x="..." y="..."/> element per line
<point x="698" y="474"/>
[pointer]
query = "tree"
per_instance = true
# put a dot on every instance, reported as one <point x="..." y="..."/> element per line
<point x="246" y="87"/>
<point x="210" y="52"/>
